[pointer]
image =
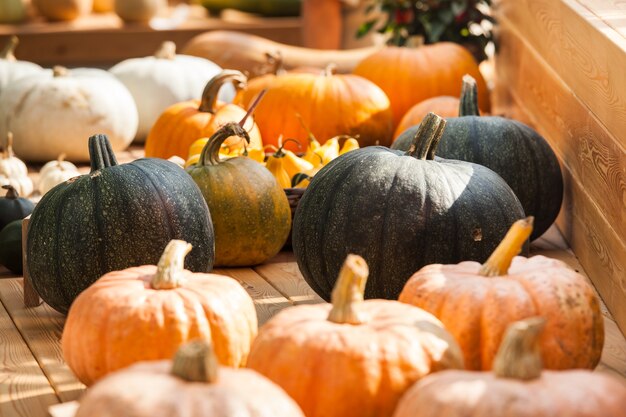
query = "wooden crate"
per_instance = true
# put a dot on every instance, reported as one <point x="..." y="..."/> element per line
<point x="561" y="67"/>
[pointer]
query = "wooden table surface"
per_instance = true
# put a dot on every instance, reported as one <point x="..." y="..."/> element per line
<point x="34" y="376"/>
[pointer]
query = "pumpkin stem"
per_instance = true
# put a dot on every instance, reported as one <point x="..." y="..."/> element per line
<point x="100" y="153"/>
<point x="211" y="152"/>
<point x="196" y="362"/>
<point x="171" y="265"/>
<point x="280" y="152"/>
<point x="8" y="52"/>
<point x="253" y="107"/>
<point x="347" y="296"/>
<point x="331" y="69"/>
<point x="60" y="160"/>
<point x="427" y="137"/>
<point x="167" y="50"/>
<point x="11" y="191"/>
<point x="500" y="260"/>
<point x="275" y="63"/>
<point x="208" y="104"/>
<point x="8" y="150"/>
<point x="519" y="355"/>
<point x="415" y="41"/>
<point x="60" y="71"/>
<point x="311" y="136"/>
<point x="468" y="105"/>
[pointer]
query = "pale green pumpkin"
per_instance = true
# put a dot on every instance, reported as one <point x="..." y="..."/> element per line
<point x="12" y="11"/>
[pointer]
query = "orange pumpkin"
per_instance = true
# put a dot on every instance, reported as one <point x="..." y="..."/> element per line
<point x="442" y="106"/>
<point x="192" y="385"/>
<point x="517" y="387"/>
<point x="411" y="75"/>
<point x="477" y="302"/>
<point x="147" y="312"/>
<point x="329" y="105"/>
<point x="183" y="123"/>
<point x="352" y="357"/>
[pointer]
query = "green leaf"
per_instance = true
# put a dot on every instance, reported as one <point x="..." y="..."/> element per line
<point x="365" y="28"/>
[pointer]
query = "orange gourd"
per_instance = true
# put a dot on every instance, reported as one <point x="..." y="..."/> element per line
<point x="183" y="123"/>
<point x="411" y="75"/>
<point x="190" y="385"/>
<point x="517" y="387"/>
<point x="352" y="357"/>
<point x="329" y="104"/>
<point x="147" y="312"/>
<point x="477" y="302"/>
<point x="442" y="106"/>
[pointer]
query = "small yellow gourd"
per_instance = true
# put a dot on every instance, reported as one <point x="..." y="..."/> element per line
<point x="329" y="150"/>
<point x="350" y="144"/>
<point x="275" y="164"/>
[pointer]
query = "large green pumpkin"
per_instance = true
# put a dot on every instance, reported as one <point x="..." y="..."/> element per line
<point x="11" y="246"/>
<point x="13" y="207"/>
<point x="399" y="211"/>
<point x="250" y="210"/>
<point x="115" y="217"/>
<point x="513" y="150"/>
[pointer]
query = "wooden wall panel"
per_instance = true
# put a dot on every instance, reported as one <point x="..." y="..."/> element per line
<point x="586" y="53"/>
<point x="593" y="161"/>
<point x="595" y="157"/>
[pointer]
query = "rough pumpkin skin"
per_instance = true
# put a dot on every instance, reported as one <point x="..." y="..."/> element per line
<point x="146" y="313"/>
<point x="352" y="358"/>
<point x="517" y="387"/>
<point x="115" y="217"/>
<point x="536" y="286"/>
<point x="183" y="123"/>
<point x="517" y="153"/>
<point x="192" y="386"/>
<point x="250" y="210"/>
<point x="400" y="213"/>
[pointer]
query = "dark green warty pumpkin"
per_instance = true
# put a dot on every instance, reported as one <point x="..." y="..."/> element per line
<point x="250" y="211"/>
<point x="13" y="207"/>
<point x="517" y="153"/>
<point x="115" y="217"/>
<point x="399" y="211"/>
<point x="11" y="246"/>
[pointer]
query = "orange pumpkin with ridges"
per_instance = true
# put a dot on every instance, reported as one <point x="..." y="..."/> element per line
<point x="147" y="312"/>
<point x="442" y="106"/>
<point x="477" y="302"/>
<point x="352" y="357"/>
<point x="329" y="105"/>
<point x="183" y="123"/>
<point x="411" y="75"/>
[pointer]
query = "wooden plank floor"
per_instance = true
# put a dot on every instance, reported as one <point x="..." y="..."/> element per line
<point x="35" y="377"/>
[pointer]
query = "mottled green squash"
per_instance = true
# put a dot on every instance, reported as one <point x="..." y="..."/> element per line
<point x="250" y="210"/>
<point x="11" y="246"/>
<point x="513" y="150"/>
<point x="13" y="207"/>
<point x="399" y="211"/>
<point x="115" y="217"/>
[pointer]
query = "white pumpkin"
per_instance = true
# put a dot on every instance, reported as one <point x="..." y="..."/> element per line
<point x="13" y="171"/>
<point x="138" y="10"/>
<point x="159" y="81"/>
<point x="54" y="173"/>
<point x="57" y="111"/>
<point x="12" y="11"/>
<point x="11" y="69"/>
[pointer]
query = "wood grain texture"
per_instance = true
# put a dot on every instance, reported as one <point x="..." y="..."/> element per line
<point x="592" y="154"/>
<point x="41" y="327"/>
<point x="612" y="12"/>
<point x="24" y="389"/>
<point x="587" y="54"/>
<point x="595" y="184"/>
<point x="284" y="275"/>
<point x="267" y="300"/>
<point x="31" y="298"/>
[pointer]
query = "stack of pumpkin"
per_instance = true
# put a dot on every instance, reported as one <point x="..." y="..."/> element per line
<point x="435" y="240"/>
